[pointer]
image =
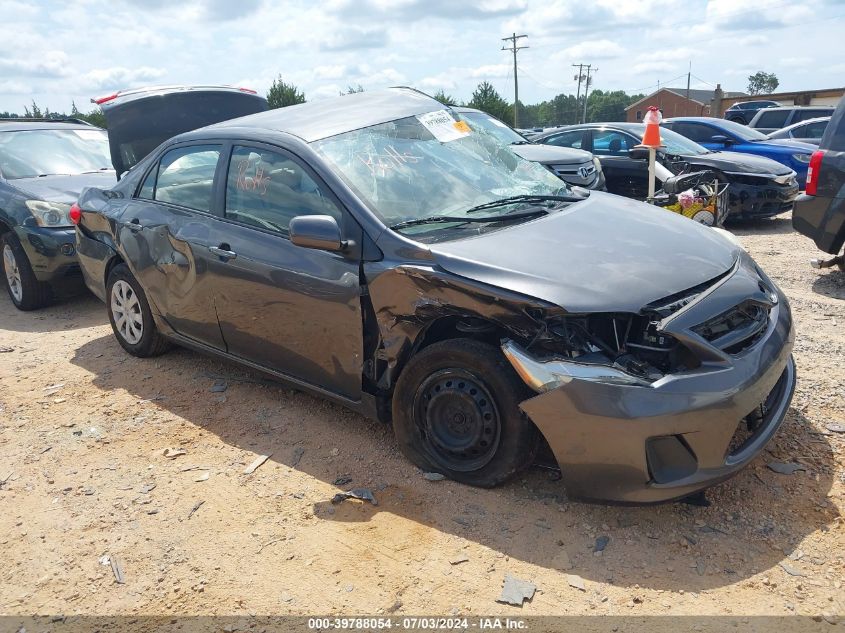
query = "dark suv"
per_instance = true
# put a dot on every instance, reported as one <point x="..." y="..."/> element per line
<point x="820" y="211"/>
<point x="44" y="164"/>
<point x="743" y="112"/>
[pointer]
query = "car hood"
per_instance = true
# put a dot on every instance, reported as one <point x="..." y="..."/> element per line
<point x="551" y="155"/>
<point x="603" y="254"/>
<point x="740" y="163"/>
<point x="64" y="189"/>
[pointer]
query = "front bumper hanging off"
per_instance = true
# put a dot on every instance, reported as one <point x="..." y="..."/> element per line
<point x="631" y="443"/>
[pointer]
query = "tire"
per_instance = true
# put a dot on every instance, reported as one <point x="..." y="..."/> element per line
<point x="456" y="412"/>
<point x="130" y="316"/>
<point x="25" y="291"/>
<point x="738" y="119"/>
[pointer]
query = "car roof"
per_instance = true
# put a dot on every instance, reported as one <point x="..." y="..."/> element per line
<point x="797" y="107"/>
<point x="618" y="125"/>
<point x="20" y="124"/>
<point x="315" y="120"/>
<point x="792" y="126"/>
<point x="696" y="119"/>
<point x="739" y="103"/>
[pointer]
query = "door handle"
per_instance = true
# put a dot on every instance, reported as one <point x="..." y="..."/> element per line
<point x="223" y="251"/>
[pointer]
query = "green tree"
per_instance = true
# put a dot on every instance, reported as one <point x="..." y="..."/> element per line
<point x="351" y="90"/>
<point x="761" y="83"/>
<point x="445" y="99"/>
<point x="608" y="106"/>
<point x="486" y="98"/>
<point x="35" y="112"/>
<point x="282" y="94"/>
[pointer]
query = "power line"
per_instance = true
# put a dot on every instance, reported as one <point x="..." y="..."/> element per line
<point x="514" y="48"/>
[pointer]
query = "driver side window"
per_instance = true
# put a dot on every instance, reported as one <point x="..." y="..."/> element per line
<point x="267" y="189"/>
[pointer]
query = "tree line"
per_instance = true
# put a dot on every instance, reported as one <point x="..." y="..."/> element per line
<point x="94" y="117"/>
<point x="564" y="109"/>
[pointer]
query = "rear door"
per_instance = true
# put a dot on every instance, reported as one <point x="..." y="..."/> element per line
<point x="291" y="309"/>
<point x="623" y="175"/>
<point x="166" y="234"/>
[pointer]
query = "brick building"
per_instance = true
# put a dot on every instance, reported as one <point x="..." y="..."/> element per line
<point x="674" y="102"/>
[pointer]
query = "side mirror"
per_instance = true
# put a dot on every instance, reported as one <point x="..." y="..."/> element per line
<point x="638" y="153"/>
<point x="316" y="231"/>
<point x="720" y="138"/>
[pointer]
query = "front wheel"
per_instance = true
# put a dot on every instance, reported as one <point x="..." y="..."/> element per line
<point x="25" y="291"/>
<point x="456" y="412"/>
<point x="130" y="315"/>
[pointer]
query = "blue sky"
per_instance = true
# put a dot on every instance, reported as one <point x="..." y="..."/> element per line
<point x="56" y="52"/>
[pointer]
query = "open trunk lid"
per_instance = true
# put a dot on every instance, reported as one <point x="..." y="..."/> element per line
<point x="140" y="120"/>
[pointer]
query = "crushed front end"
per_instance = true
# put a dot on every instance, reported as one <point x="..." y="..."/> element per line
<point x="649" y="407"/>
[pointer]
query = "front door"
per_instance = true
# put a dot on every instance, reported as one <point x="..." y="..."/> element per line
<point x="291" y="309"/>
<point x="167" y="229"/>
<point x="624" y="175"/>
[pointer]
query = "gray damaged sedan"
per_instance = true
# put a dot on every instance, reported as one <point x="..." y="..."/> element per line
<point x="376" y="251"/>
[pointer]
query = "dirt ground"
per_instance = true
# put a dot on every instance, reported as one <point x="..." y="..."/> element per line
<point x="87" y="490"/>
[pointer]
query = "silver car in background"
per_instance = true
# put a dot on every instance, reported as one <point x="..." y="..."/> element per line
<point x="574" y="166"/>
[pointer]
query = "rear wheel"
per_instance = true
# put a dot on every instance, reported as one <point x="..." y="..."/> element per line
<point x="25" y="291"/>
<point x="456" y="411"/>
<point x="130" y="315"/>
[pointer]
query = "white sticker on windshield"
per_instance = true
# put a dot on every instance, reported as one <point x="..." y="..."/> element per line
<point x="444" y="127"/>
<point x="90" y="135"/>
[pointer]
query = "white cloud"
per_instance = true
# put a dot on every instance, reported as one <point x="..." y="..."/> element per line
<point x="491" y="70"/>
<point x="592" y="49"/>
<point x="47" y="64"/>
<point x="117" y="77"/>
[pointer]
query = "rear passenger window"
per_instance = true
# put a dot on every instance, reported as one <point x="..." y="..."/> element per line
<point x="803" y="115"/>
<point x="774" y="118"/>
<point x="186" y="176"/>
<point x="567" y="139"/>
<point x="267" y="189"/>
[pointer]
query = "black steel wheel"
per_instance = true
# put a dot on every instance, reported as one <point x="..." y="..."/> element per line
<point x="456" y="412"/>
<point x="459" y="418"/>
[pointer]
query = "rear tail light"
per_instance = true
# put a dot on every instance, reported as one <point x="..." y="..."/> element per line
<point x="813" y="173"/>
<point x="75" y="213"/>
<point x="249" y="90"/>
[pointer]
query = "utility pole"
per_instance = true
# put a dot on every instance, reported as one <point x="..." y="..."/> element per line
<point x="514" y="48"/>
<point x="689" y="72"/>
<point x="587" y="90"/>
<point x="579" y="77"/>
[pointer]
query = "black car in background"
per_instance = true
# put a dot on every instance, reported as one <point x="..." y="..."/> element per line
<point x="743" y="112"/>
<point x="44" y="165"/>
<point x="759" y="187"/>
<point x="376" y="250"/>
<point x="820" y="211"/>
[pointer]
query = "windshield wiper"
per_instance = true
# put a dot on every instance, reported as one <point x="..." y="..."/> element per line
<point x="443" y="219"/>
<point x="528" y="198"/>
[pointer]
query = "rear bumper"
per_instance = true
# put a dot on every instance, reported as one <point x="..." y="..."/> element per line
<point x="759" y="201"/>
<point x="94" y="257"/>
<point x="51" y="252"/>
<point x="635" y="444"/>
<point x="822" y="220"/>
